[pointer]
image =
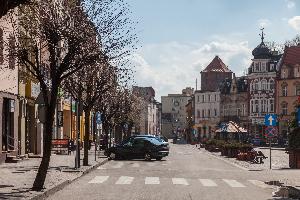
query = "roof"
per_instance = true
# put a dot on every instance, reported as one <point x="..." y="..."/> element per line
<point x="231" y="127"/>
<point x="291" y="55"/>
<point x="216" y="65"/>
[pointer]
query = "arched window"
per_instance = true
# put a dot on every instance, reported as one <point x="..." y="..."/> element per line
<point x="256" y="85"/>
<point x="284" y="90"/>
<point x="272" y="84"/>
<point x="264" y="85"/>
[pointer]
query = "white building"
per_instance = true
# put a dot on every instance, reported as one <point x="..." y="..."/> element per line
<point x="207" y="112"/>
<point x="174" y="115"/>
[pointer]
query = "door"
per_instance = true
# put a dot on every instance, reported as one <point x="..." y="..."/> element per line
<point x="139" y="148"/>
<point x="7" y="127"/>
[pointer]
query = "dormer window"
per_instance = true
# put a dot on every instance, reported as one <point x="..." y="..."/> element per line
<point x="284" y="73"/>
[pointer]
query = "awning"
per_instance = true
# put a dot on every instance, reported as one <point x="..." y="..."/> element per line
<point x="231" y="127"/>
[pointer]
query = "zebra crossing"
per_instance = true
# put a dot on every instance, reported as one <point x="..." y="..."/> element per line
<point x="128" y="180"/>
<point x="120" y="164"/>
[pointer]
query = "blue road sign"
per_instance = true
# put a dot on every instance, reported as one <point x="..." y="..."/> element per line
<point x="98" y="118"/>
<point x="270" y="120"/>
<point x="298" y="117"/>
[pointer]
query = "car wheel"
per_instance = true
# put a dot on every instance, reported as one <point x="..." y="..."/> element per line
<point x="158" y="158"/>
<point x="147" y="156"/>
<point x="112" y="156"/>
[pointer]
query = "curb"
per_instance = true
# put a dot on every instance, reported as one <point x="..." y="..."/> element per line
<point x="60" y="186"/>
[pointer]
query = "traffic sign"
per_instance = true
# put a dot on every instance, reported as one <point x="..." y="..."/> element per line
<point x="270" y="131"/>
<point x="270" y="120"/>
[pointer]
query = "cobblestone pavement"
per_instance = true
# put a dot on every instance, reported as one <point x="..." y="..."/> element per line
<point x="17" y="178"/>
<point x="280" y="166"/>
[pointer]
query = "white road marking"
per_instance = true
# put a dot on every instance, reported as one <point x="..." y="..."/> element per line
<point x="118" y="165"/>
<point x="233" y="183"/>
<point x="179" y="181"/>
<point x="99" y="179"/>
<point x="101" y="167"/>
<point x="152" y="180"/>
<point x="135" y="165"/>
<point x="208" y="183"/>
<point x="258" y="183"/>
<point x="124" y="180"/>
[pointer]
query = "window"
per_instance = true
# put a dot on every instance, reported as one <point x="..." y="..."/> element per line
<point x="256" y="67"/>
<point x="284" y="73"/>
<point x="272" y="84"/>
<point x="215" y="112"/>
<point x="243" y="110"/>
<point x="215" y="97"/>
<point x="271" y="67"/>
<point x="297" y="72"/>
<point x="271" y="104"/>
<point x="198" y="113"/>
<point x="1" y="46"/>
<point x="284" y="90"/>
<point x="209" y="98"/>
<point x="198" y="98"/>
<point x="208" y="113"/>
<point x="264" y="85"/>
<point x="256" y="106"/>
<point x="256" y="85"/>
<point x="203" y="98"/>
<point x="264" y="106"/>
<point x="203" y="113"/>
<point x="284" y="108"/>
<point x="297" y="90"/>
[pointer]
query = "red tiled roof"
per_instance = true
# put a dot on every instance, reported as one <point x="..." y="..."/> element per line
<point x="216" y="65"/>
<point x="291" y="55"/>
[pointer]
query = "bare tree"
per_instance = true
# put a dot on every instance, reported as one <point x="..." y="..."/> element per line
<point x="54" y="42"/>
<point x="6" y="5"/>
<point x="88" y="86"/>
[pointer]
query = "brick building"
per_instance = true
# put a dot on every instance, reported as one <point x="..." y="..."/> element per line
<point x="214" y="74"/>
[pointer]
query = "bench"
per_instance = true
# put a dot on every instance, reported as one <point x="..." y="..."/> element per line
<point x="61" y="146"/>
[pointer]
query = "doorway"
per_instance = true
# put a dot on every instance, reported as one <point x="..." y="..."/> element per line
<point x="7" y="126"/>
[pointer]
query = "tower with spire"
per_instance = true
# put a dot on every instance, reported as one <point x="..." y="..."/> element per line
<point x="261" y="78"/>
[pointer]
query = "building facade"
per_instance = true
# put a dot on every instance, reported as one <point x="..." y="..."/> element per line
<point x="207" y="113"/>
<point x="149" y="116"/>
<point x="174" y="116"/>
<point x="288" y="89"/>
<point x="262" y="87"/>
<point x="234" y="101"/>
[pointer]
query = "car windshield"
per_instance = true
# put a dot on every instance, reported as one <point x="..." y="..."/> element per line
<point x="154" y="141"/>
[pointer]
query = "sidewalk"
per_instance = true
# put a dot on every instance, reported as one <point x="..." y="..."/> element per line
<point x="280" y="166"/>
<point x="17" y="178"/>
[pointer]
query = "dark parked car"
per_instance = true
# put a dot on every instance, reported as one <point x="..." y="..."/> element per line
<point x="139" y="147"/>
<point x="160" y="138"/>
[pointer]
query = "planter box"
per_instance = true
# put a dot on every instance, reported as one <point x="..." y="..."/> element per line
<point x="294" y="159"/>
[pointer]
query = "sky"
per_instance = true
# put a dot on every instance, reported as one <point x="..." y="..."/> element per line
<point x="179" y="38"/>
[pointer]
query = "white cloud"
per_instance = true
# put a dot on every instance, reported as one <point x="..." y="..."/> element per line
<point x="264" y="23"/>
<point x="290" y="4"/>
<point x="170" y="67"/>
<point x="294" y="22"/>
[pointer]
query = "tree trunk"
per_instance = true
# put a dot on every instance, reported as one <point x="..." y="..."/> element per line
<point x="43" y="168"/>
<point x="86" y="136"/>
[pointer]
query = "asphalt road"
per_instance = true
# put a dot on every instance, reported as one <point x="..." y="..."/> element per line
<point x="186" y="174"/>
